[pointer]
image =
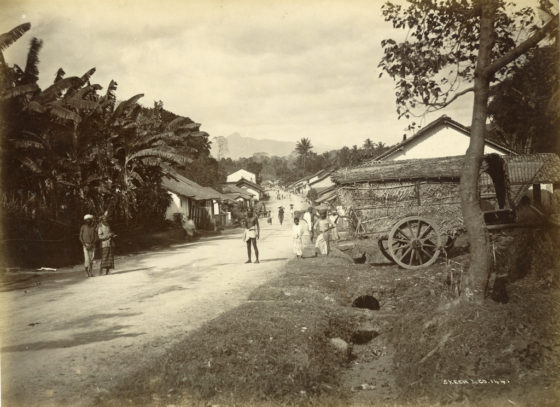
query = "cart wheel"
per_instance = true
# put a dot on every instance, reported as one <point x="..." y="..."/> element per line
<point x="414" y="242"/>
<point x="384" y="248"/>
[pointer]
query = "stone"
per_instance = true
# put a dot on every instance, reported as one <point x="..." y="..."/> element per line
<point x="341" y="346"/>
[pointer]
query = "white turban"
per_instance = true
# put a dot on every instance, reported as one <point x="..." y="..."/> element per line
<point x="88" y="216"/>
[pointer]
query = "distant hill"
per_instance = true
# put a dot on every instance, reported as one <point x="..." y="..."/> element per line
<point x="236" y="146"/>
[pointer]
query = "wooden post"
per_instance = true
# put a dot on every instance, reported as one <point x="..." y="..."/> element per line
<point x="537" y="195"/>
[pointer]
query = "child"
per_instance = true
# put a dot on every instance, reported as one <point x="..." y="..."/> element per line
<point x="297" y="233"/>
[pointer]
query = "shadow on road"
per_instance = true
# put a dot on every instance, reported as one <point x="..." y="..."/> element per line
<point x="77" y="340"/>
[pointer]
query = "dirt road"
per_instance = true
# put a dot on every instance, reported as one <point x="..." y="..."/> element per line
<point x="67" y="337"/>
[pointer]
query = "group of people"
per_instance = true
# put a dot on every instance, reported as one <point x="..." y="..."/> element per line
<point x="90" y="236"/>
<point x="321" y="228"/>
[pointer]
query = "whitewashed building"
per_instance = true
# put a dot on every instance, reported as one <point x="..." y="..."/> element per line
<point x="444" y="137"/>
<point x="242" y="174"/>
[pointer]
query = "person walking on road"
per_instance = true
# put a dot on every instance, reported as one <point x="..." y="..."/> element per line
<point x="323" y="226"/>
<point x="88" y="238"/>
<point x="107" y="246"/>
<point x="252" y="233"/>
<point x="297" y="235"/>
<point x="281" y="215"/>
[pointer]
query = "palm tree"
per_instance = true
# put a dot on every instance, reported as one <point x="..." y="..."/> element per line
<point x="368" y="144"/>
<point x="303" y="149"/>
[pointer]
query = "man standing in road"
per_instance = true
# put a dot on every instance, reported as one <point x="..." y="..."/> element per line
<point x="88" y="238"/>
<point x="252" y="233"/>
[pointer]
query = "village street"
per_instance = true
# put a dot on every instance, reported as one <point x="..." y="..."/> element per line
<point x="67" y="337"/>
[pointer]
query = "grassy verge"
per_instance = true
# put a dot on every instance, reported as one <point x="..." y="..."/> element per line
<point x="274" y="349"/>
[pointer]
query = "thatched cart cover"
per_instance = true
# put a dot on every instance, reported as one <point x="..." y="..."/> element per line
<point x="385" y="191"/>
<point x="526" y="169"/>
<point x="442" y="168"/>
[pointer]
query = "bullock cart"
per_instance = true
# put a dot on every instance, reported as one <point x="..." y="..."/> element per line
<point x="413" y="207"/>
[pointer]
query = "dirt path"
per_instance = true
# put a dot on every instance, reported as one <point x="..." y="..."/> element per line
<point x="66" y="338"/>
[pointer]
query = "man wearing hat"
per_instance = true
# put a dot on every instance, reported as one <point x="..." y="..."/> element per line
<point x="88" y="238"/>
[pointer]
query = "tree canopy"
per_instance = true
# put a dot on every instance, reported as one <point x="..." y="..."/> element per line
<point x="453" y="47"/>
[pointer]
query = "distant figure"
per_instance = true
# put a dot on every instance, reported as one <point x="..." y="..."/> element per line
<point x="107" y="246"/>
<point x="281" y="215"/>
<point x="190" y="228"/>
<point x="88" y="238"/>
<point x="322" y="227"/>
<point x="252" y="233"/>
<point x="297" y="235"/>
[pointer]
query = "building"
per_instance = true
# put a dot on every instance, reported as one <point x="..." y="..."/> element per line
<point x="322" y="180"/>
<point x="248" y="186"/>
<point x="237" y="194"/>
<point x="444" y="137"/>
<point x="189" y="199"/>
<point x="241" y="174"/>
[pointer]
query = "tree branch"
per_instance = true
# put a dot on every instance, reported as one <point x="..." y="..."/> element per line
<point x="455" y="97"/>
<point x="521" y="48"/>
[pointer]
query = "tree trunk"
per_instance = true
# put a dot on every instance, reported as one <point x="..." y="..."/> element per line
<point x="480" y="260"/>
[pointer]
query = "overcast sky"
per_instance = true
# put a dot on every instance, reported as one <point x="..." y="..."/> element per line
<point x="264" y="69"/>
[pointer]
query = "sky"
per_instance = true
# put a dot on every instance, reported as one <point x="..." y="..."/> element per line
<point x="265" y="69"/>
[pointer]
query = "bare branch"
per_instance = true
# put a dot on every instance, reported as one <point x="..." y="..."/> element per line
<point x="455" y="97"/>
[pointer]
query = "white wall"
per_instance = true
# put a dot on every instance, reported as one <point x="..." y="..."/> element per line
<point x="444" y="141"/>
<point x="177" y="205"/>
<point x="237" y="175"/>
<point x="324" y="183"/>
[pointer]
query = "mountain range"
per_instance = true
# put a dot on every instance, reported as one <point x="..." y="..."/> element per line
<point x="236" y="146"/>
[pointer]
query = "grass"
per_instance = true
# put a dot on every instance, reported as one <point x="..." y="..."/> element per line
<point x="275" y="349"/>
<point x="272" y="350"/>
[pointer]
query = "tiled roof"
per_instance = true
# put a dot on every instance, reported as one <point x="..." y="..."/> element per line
<point x="184" y="186"/>
<point x="540" y="168"/>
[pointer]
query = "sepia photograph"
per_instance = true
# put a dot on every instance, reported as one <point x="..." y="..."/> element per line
<point x="273" y="203"/>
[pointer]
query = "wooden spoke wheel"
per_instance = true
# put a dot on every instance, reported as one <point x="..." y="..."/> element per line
<point x="414" y="242"/>
<point x="383" y="244"/>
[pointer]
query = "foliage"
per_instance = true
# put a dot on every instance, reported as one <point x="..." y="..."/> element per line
<point x="519" y="112"/>
<point x="303" y="150"/>
<point x="71" y="149"/>
<point x="437" y="58"/>
<point x="449" y="46"/>
<point x="289" y="169"/>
